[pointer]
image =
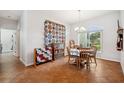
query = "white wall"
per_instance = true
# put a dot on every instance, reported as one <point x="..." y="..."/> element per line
<point x="8" y="24"/>
<point x="32" y="33"/>
<point x="109" y="24"/>
<point x="68" y="29"/>
<point x="122" y="52"/>
<point x="23" y="37"/>
<point x="33" y="30"/>
<point x="17" y="45"/>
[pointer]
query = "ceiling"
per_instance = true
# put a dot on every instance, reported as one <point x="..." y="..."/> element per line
<point x="10" y="14"/>
<point x="72" y="16"/>
<point x="66" y="16"/>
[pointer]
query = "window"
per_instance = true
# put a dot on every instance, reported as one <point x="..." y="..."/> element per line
<point x="91" y="38"/>
<point x="95" y="40"/>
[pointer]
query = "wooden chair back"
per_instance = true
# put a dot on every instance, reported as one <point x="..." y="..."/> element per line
<point x="72" y="44"/>
<point x="68" y="51"/>
<point x="84" y="56"/>
<point x="94" y="50"/>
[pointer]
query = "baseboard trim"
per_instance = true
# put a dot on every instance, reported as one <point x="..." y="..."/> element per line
<point x="107" y="59"/>
<point x="22" y="61"/>
<point x="101" y="58"/>
<point x="29" y="64"/>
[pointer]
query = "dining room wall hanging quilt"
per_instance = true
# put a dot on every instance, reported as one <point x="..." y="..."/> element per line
<point x="53" y="33"/>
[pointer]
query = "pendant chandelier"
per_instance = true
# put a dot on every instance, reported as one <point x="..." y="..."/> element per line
<point x="79" y="28"/>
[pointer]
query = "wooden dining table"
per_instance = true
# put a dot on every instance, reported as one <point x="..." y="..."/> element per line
<point x="86" y="50"/>
<point x="79" y="51"/>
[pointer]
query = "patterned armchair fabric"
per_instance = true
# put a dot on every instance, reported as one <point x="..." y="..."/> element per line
<point x="43" y="55"/>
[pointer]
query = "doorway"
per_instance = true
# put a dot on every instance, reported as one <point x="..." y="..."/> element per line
<point x="7" y="41"/>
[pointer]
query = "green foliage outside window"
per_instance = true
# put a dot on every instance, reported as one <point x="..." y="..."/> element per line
<point x="90" y="39"/>
<point x="95" y="40"/>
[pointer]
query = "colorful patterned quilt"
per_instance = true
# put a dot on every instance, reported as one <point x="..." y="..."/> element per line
<point x="44" y="55"/>
<point x="54" y="33"/>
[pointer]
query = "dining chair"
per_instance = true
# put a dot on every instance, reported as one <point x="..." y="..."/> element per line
<point x="84" y="58"/>
<point x="71" y="44"/>
<point x="92" y="54"/>
<point x="77" y="47"/>
<point x="70" y="56"/>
